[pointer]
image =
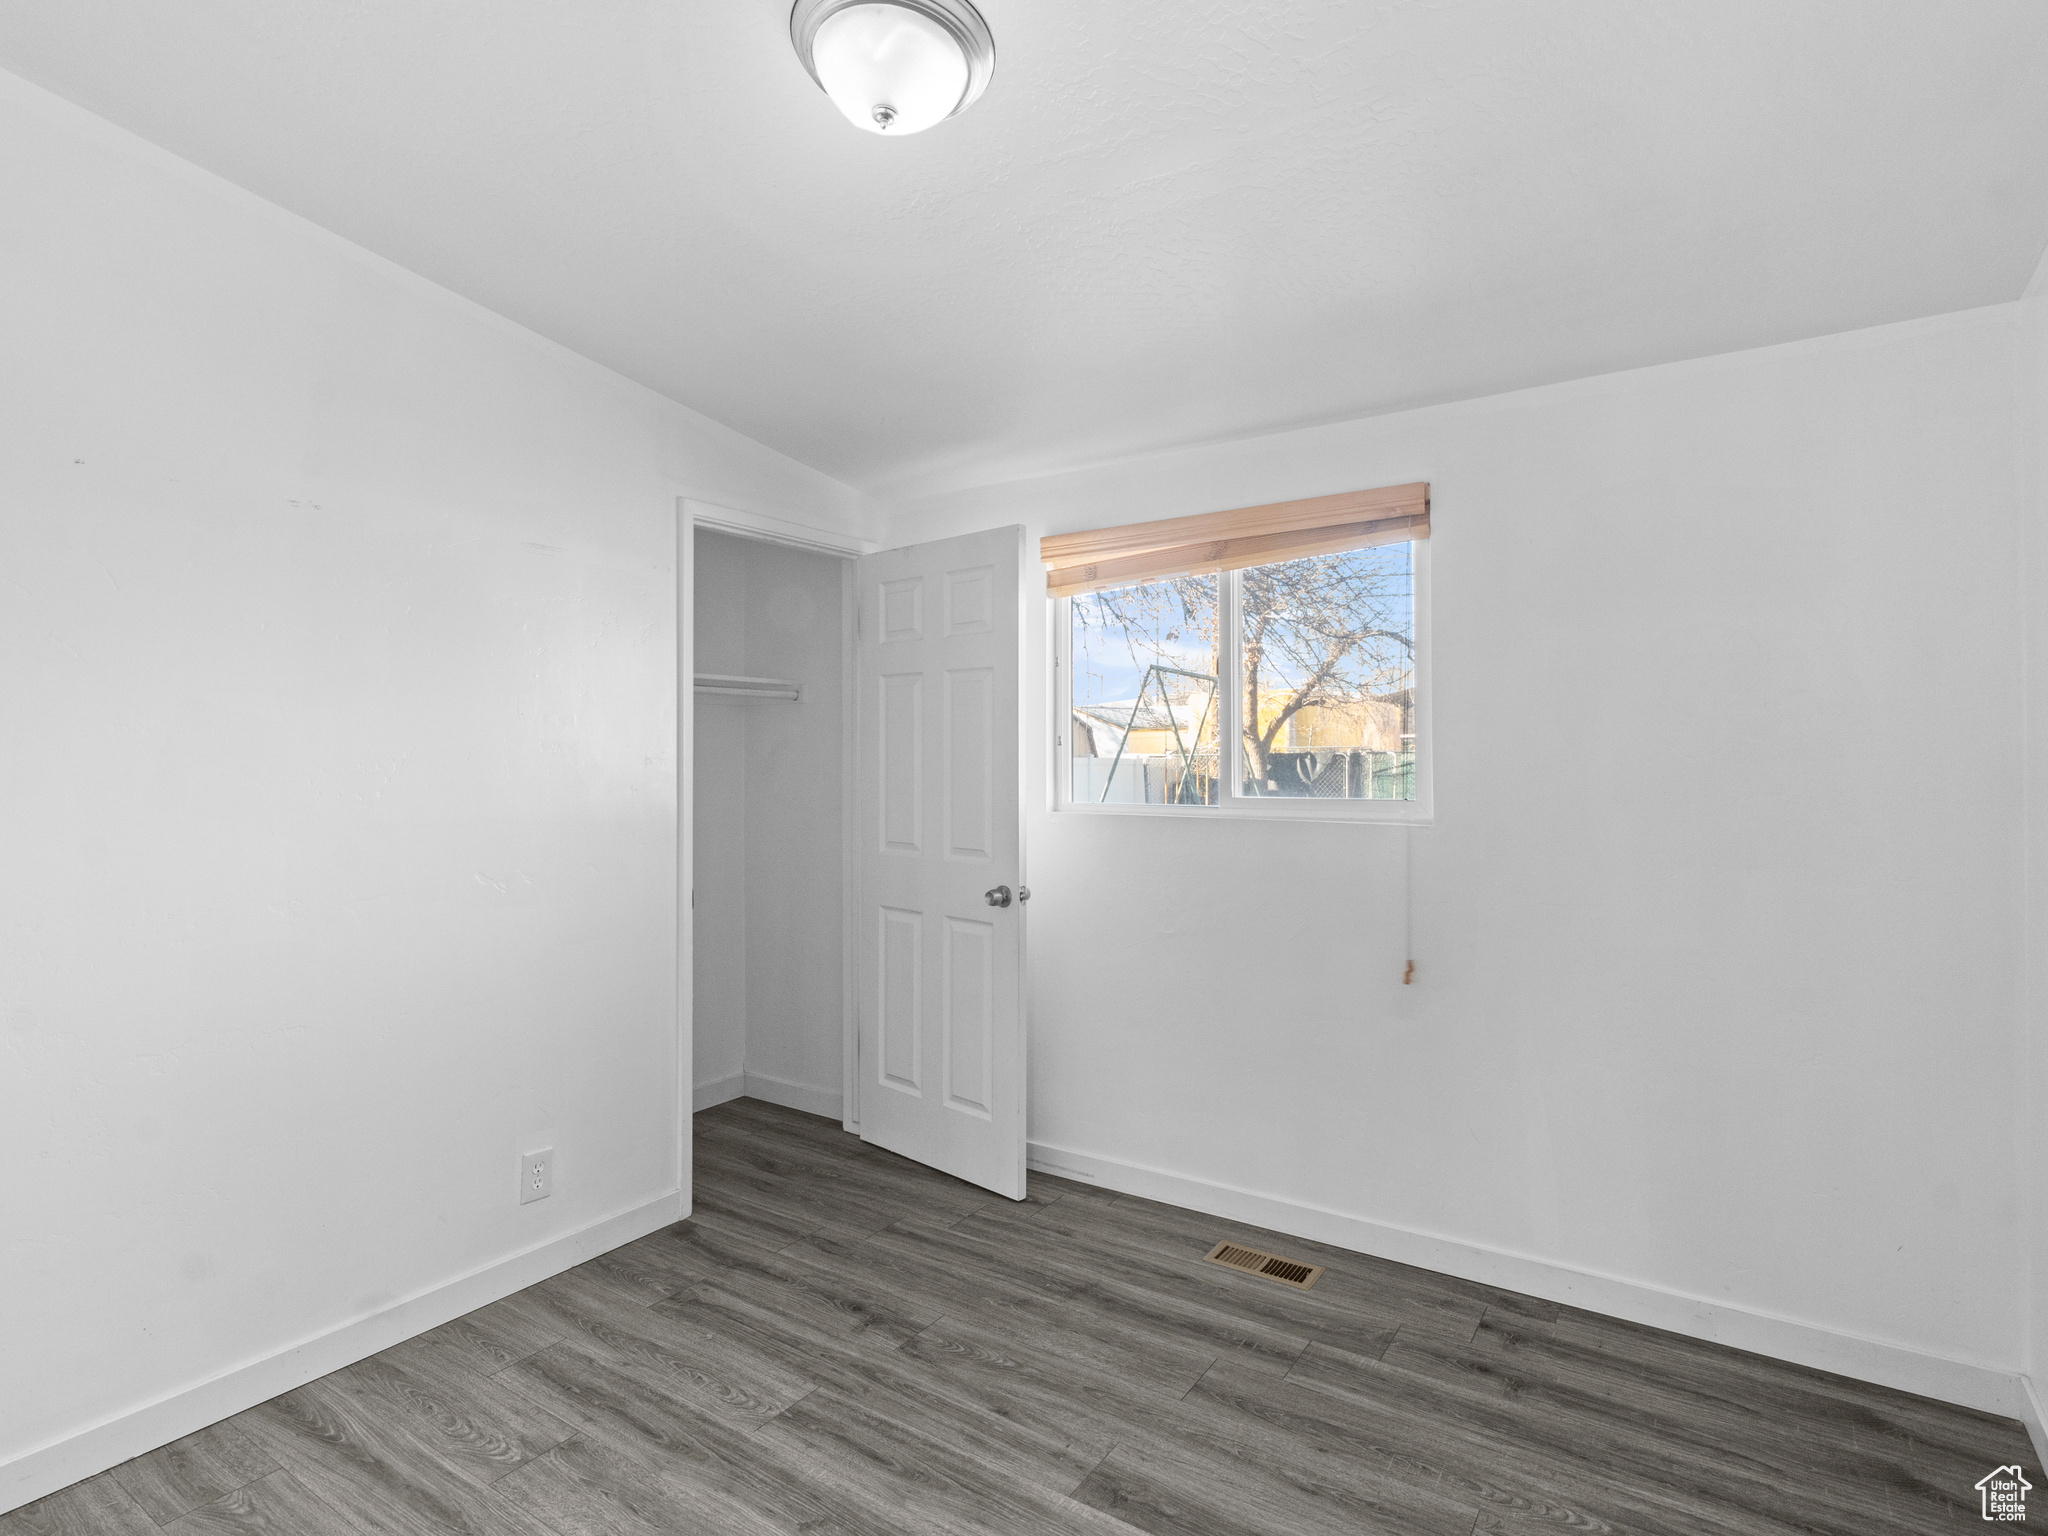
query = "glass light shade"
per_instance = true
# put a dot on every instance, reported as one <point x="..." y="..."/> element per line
<point x="889" y="69"/>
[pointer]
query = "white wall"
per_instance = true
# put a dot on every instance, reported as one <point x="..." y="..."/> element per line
<point x="1716" y="986"/>
<point x="340" y="815"/>
<point x="768" y="816"/>
<point x="795" y="897"/>
<point x="719" y="852"/>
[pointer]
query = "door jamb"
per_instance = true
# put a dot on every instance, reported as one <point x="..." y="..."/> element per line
<point x="686" y="848"/>
<point x="849" y="845"/>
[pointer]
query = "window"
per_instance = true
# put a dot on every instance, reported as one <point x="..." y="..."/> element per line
<point x="1283" y="686"/>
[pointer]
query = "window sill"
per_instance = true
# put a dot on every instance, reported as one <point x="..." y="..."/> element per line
<point x="1355" y="812"/>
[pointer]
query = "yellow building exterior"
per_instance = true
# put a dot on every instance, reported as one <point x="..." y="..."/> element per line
<point x="1370" y="724"/>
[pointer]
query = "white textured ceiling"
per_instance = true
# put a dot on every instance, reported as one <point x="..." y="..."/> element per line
<point x="1167" y="221"/>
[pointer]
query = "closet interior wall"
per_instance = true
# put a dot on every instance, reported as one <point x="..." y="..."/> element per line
<point x="769" y="959"/>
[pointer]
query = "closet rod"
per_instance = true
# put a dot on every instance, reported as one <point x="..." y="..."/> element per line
<point x="749" y="687"/>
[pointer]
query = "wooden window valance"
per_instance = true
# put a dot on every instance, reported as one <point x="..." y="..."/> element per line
<point x="1229" y="541"/>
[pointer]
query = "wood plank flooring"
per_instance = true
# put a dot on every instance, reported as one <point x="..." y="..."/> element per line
<point x="844" y="1343"/>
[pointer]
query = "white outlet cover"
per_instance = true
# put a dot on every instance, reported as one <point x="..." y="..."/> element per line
<point x="536" y="1175"/>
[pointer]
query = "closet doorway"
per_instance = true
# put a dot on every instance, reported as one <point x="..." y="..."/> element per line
<point x="770" y="701"/>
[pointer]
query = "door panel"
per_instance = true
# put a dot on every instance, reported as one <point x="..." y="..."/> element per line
<point x="942" y="1015"/>
<point x="969" y="599"/>
<point x="898" y="1008"/>
<point x="970" y="763"/>
<point x="902" y="761"/>
<point x="969" y="1014"/>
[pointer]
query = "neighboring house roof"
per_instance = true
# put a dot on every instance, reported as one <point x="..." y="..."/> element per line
<point x="1115" y="714"/>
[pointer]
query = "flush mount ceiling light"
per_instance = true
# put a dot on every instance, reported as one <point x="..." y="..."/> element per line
<point x="894" y="66"/>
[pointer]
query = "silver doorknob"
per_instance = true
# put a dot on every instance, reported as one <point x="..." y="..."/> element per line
<point x="1023" y="893"/>
<point x="999" y="897"/>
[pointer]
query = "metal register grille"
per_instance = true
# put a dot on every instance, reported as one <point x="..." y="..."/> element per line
<point x="1269" y="1266"/>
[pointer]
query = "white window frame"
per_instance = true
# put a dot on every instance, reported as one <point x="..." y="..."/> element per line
<point x="1230" y="802"/>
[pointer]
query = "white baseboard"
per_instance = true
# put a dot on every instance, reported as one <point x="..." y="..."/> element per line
<point x="774" y="1090"/>
<point x="2035" y="1418"/>
<point x="83" y="1453"/>
<point x="708" y="1094"/>
<point x="812" y="1101"/>
<point x="1969" y="1383"/>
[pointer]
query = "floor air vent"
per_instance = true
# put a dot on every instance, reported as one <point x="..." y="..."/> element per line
<point x="1269" y="1265"/>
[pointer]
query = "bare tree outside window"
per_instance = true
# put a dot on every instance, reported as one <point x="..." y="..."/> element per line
<point x="1323" y="678"/>
<point x="1327" y="668"/>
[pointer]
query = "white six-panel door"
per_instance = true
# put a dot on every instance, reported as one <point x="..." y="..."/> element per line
<point x="941" y="1050"/>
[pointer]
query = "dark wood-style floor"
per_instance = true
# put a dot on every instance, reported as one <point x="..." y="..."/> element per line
<point x="842" y="1341"/>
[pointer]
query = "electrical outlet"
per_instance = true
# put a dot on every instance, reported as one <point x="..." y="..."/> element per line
<point x="536" y="1175"/>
